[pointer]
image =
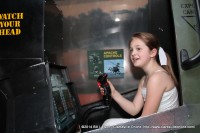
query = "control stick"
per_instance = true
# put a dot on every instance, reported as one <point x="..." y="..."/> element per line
<point x="102" y="82"/>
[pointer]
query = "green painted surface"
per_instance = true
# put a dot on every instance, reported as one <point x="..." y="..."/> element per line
<point x="187" y="37"/>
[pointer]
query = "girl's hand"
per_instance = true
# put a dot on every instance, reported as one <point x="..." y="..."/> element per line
<point x="112" y="88"/>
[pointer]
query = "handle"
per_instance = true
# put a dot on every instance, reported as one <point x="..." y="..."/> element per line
<point x="186" y="62"/>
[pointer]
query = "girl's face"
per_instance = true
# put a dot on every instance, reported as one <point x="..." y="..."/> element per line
<point x="140" y="54"/>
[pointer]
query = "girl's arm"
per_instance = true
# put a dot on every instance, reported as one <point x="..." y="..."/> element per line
<point x="133" y="107"/>
<point x="155" y="89"/>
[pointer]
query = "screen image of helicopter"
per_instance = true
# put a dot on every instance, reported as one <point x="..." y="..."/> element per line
<point x="114" y="68"/>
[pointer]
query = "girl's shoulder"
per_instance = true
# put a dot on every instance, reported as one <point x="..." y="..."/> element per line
<point x="161" y="78"/>
<point x="159" y="74"/>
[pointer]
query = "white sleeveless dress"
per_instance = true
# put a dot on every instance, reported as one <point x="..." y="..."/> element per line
<point x="169" y="101"/>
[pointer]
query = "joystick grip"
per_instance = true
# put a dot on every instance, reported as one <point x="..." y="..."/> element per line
<point x="102" y="82"/>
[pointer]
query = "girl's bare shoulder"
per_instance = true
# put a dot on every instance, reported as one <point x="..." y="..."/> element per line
<point x="162" y="79"/>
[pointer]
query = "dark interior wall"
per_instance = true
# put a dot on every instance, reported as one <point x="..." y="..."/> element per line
<point x="21" y="50"/>
<point x="29" y="101"/>
<point x="3" y="100"/>
<point x="161" y="24"/>
<point x="53" y="33"/>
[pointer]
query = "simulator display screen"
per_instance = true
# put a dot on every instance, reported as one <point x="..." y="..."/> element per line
<point x="68" y="99"/>
<point x="63" y="100"/>
<point x="59" y="104"/>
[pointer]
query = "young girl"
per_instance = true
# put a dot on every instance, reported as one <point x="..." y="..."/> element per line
<point x="157" y="90"/>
